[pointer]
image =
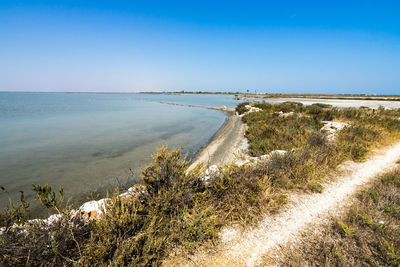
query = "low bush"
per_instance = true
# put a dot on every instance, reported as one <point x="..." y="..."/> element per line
<point x="240" y="109"/>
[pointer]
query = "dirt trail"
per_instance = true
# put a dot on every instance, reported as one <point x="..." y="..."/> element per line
<point x="246" y="248"/>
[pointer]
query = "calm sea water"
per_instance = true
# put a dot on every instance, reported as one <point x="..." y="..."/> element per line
<point x="87" y="142"/>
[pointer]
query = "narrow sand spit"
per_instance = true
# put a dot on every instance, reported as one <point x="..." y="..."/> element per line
<point x="246" y="248"/>
<point x="226" y="143"/>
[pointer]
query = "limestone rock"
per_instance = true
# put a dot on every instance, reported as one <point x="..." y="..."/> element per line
<point x="211" y="174"/>
<point x="283" y="114"/>
<point x="331" y="128"/>
<point x="251" y="109"/>
<point x="92" y="209"/>
<point x="246" y="159"/>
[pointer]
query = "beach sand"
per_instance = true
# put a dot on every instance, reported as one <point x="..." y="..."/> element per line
<point x="226" y="143"/>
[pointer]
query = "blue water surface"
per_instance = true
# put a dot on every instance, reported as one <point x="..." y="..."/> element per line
<point x="86" y="142"/>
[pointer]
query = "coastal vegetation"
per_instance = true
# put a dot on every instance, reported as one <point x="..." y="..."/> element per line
<point x="269" y="130"/>
<point x="179" y="211"/>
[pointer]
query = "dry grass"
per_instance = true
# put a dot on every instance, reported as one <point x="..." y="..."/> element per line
<point x="370" y="128"/>
<point x="368" y="235"/>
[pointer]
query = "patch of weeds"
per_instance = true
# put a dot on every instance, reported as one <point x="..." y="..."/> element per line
<point x="395" y="211"/>
<point x="276" y="202"/>
<point x="348" y="230"/>
<point x="337" y="254"/>
<point x="371" y="194"/>
<point x="392" y="179"/>
<point x="317" y="188"/>
<point x="15" y="213"/>
<point x="367" y="220"/>
<point x="393" y="257"/>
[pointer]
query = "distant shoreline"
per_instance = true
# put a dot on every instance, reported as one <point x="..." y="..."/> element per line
<point x="248" y="94"/>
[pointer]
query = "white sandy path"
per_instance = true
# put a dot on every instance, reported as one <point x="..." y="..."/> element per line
<point x="239" y="248"/>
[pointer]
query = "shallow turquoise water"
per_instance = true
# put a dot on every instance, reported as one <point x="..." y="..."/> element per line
<point x="85" y="142"/>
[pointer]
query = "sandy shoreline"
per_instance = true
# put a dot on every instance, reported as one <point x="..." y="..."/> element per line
<point x="223" y="146"/>
<point x="225" y="143"/>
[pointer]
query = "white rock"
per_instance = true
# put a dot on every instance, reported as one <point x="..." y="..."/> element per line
<point x="210" y="174"/>
<point x="284" y="115"/>
<point x="251" y="109"/>
<point x="277" y="152"/>
<point x="92" y="208"/>
<point x="253" y="160"/>
<point x="52" y="219"/>
<point x="331" y="128"/>
<point x="213" y="169"/>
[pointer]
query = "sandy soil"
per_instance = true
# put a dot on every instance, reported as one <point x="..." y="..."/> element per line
<point x="228" y="141"/>
<point x="252" y="246"/>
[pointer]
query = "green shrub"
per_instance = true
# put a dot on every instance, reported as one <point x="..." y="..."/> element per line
<point x="348" y="230"/>
<point x="14" y="214"/>
<point x="241" y="107"/>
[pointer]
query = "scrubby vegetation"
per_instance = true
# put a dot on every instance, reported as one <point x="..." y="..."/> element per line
<point x="268" y="130"/>
<point x="179" y="210"/>
<point x="241" y="107"/>
<point x="368" y="235"/>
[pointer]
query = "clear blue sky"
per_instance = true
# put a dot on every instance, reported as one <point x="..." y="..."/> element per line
<point x="268" y="46"/>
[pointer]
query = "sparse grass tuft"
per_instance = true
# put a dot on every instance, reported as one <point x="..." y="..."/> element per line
<point x="338" y="254"/>
<point x="317" y="188"/>
<point x="348" y="230"/>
